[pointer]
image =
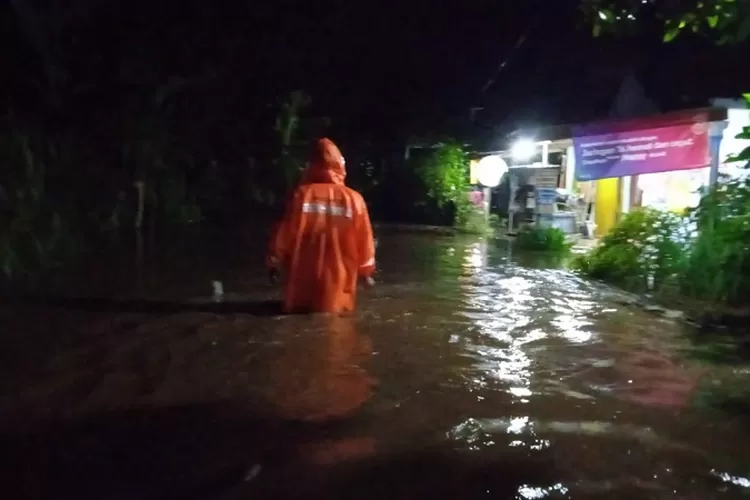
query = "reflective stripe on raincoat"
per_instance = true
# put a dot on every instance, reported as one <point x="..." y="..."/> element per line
<point x="324" y="242"/>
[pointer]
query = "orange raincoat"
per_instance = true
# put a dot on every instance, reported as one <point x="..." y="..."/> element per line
<point x="324" y="243"/>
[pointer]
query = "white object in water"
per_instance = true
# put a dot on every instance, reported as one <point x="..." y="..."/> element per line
<point x="218" y="291"/>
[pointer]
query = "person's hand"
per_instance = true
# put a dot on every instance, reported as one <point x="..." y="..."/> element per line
<point x="273" y="275"/>
<point x="369" y="281"/>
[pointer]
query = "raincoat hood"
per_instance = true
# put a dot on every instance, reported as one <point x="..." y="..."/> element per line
<point x="326" y="164"/>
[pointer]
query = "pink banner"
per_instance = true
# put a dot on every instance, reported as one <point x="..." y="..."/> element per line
<point x="630" y="148"/>
<point x="477" y="198"/>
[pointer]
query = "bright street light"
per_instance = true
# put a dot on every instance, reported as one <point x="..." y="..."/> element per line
<point x="523" y="149"/>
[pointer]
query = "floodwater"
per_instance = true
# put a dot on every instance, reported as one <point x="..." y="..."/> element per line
<point x="464" y="374"/>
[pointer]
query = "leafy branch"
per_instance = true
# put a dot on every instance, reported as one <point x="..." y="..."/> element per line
<point x="728" y="21"/>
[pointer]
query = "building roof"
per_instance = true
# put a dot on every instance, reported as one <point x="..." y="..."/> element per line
<point x="595" y="86"/>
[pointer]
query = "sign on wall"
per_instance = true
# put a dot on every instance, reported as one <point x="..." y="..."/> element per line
<point x="545" y="200"/>
<point x="546" y="177"/>
<point x="546" y="196"/>
<point x="633" y="148"/>
<point x="473" y="180"/>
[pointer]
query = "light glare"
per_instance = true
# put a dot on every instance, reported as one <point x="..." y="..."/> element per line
<point x="523" y="149"/>
<point x="490" y="171"/>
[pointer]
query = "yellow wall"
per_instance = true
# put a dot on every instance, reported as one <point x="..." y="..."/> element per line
<point x="607" y="204"/>
<point x="473" y="172"/>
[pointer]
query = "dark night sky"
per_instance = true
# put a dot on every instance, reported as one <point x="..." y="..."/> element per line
<point x="387" y="69"/>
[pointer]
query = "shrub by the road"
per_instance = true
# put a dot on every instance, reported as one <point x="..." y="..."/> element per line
<point x="702" y="255"/>
<point x="643" y="251"/>
<point x="543" y="239"/>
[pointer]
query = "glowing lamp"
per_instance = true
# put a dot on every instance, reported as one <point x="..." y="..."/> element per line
<point x="490" y="171"/>
<point x="523" y="149"/>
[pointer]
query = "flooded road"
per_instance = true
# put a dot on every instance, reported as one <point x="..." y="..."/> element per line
<point x="464" y="374"/>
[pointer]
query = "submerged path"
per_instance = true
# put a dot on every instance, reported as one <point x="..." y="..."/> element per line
<point x="463" y="375"/>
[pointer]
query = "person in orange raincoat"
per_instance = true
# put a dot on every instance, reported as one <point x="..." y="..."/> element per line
<point x="324" y="243"/>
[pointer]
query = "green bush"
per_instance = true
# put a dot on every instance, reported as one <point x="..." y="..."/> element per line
<point x="645" y="250"/>
<point x="444" y="174"/>
<point x="703" y="254"/>
<point x="717" y="266"/>
<point x="543" y="239"/>
<point x="444" y="178"/>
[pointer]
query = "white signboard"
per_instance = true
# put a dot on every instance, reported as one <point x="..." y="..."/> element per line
<point x="546" y="177"/>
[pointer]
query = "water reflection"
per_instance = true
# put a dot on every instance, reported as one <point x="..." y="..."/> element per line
<point x="497" y="310"/>
<point x="317" y="370"/>
<point x="735" y="480"/>
<point x="476" y="255"/>
<point x="317" y="376"/>
<point x="572" y="328"/>
<point x="531" y="492"/>
<point x="475" y="430"/>
<point x="505" y="305"/>
<point x="652" y="378"/>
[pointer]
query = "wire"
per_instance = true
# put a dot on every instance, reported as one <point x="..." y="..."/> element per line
<point x="504" y="62"/>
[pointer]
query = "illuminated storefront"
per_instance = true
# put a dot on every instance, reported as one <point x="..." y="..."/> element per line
<point x="657" y="161"/>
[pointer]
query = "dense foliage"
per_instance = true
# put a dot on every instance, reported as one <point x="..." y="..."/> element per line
<point x="726" y="21"/>
<point x="429" y="186"/>
<point x="120" y="120"/>
<point x="702" y="255"/>
<point x="642" y="252"/>
<point x="445" y="177"/>
<point x="718" y="264"/>
<point x="445" y="174"/>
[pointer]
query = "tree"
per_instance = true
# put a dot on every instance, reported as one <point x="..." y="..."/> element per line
<point x="728" y="21"/>
<point x="445" y="174"/>
<point x="295" y="127"/>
